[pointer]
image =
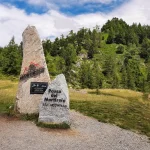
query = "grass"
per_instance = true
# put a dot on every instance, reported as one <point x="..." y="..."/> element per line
<point x="8" y="90"/>
<point x="29" y="117"/>
<point x="124" y="108"/>
<point x="53" y="126"/>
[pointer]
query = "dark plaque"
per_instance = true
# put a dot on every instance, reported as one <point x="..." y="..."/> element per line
<point x="38" y="87"/>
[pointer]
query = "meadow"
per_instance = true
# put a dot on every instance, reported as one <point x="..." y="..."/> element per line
<point x="125" y="108"/>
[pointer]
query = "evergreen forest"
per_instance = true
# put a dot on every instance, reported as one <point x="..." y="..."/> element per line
<point x="117" y="55"/>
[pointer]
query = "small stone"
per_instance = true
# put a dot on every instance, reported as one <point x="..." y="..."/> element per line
<point x="54" y="107"/>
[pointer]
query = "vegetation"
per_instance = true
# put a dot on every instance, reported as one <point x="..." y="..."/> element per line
<point x="115" y="56"/>
<point x="54" y="126"/>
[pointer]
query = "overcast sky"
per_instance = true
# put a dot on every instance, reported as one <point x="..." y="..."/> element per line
<point x="55" y="17"/>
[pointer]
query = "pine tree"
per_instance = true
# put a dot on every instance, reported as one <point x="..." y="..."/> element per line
<point x="11" y="62"/>
<point x="69" y="54"/>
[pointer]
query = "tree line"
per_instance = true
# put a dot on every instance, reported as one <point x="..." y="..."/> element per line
<point x="115" y="56"/>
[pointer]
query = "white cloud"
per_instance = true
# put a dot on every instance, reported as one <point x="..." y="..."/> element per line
<point x="134" y="11"/>
<point x="91" y="20"/>
<point x="13" y="21"/>
<point x="53" y="23"/>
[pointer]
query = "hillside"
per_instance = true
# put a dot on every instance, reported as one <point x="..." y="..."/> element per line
<point x="115" y="56"/>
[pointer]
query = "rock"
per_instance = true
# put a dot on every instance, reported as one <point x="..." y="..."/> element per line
<point x="54" y="107"/>
<point x="34" y="69"/>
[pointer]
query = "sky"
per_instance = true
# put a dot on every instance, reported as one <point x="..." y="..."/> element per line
<point x="52" y="18"/>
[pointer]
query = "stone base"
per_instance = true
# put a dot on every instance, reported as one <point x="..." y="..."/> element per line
<point x="53" y="120"/>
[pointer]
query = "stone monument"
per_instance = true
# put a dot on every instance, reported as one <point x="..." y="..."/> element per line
<point x="34" y="76"/>
<point x="54" y="107"/>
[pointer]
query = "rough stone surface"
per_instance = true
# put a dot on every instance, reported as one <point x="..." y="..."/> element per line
<point x="34" y="69"/>
<point x="54" y="107"/>
<point x="85" y="134"/>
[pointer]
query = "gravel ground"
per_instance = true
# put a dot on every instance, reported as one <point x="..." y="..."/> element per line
<point x="85" y="134"/>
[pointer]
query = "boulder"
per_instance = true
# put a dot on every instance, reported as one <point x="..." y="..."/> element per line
<point x="54" y="107"/>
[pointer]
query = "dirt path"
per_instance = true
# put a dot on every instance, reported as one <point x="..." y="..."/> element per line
<point x="85" y="134"/>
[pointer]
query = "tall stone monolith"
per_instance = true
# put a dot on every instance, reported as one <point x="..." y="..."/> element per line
<point x="34" y="76"/>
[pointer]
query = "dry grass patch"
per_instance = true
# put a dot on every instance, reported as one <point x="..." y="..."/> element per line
<point x="8" y="91"/>
<point x="124" y="93"/>
<point x="80" y="96"/>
